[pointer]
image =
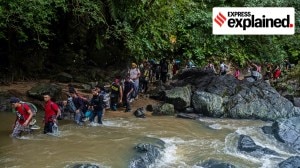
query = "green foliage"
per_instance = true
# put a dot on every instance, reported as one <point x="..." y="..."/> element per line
<point x="28" y="20"/>
<point x="138" y="29"/>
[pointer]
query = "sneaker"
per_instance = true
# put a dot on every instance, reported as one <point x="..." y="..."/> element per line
<point x="131" y="100"/>
<point x="34" y="127"/>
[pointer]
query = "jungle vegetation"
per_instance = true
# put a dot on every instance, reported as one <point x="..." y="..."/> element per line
<point x="46" y="36"/>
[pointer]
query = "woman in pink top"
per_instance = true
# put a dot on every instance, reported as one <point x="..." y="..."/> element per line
<point x="237" y="73"/>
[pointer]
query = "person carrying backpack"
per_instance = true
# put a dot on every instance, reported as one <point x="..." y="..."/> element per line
<point x="127" y="91"/>
<point x="80" y="106"/>
<point x="23" y="117"/>
<point x="52" y="112"/>
<point x="223" y="68"/>
<point x="97" y="105"/>
<point x="163" y="70"/>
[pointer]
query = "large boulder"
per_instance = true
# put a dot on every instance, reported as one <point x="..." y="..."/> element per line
<point x="180" y="97"/>
<point x="291" y="162"/>
<point x="85" y="165"/>
<point x="4" y="101"/>
<point x="37" y="91"/>
<point x="212" y="163"/>
<point x="225" y="96"/>
<point x="248" y="146"/>
<point x="164" y="109"/>
<point x="147" y="154"/>
<point x="208" y="104"/>
<point x="296" y="101"/>
<point x="259" y="101"/>
<point x="288" y="132"/>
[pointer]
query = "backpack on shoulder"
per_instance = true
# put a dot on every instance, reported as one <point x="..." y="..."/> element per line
<point x="31" y="106"/>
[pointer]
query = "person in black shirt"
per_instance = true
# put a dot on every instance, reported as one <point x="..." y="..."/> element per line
<point x="116" y="94"/>
<point x="80" y="107"/>
<point x="128" y="89"/>
<point x="163" y="70"/>
<point x="97" y="105"/>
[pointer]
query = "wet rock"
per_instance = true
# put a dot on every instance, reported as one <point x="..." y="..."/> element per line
<point x="38" y="91"/>
<point x="208" y="104"/>
<point x="247" y="145"/>
<point x="165" y="109"/>
<point x="267" y="129"/>
<point x="225" y="96"/>
<point x="180" y="97"/>
<point x="149" y="107"/>
<point x="212" y="163"/>
<point x="139" y="113"/>
<point x="188" y="115"/>
<point x="86" y="87"/>
<point x="291" y="162"/>
<point x="189" y="110"/>
<point x="297" y="101"/>
<point x="64" y="77"/>
<point x="85" y="165"/>
<point x="288" y="132"/>
<point x="4" y="101"/>
<point x="157" y="93"/>
<point x="147" y="155"/>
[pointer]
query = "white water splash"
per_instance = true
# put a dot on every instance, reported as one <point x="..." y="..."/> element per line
<point x="215" y="126"/>
<point x="169" y="154"/>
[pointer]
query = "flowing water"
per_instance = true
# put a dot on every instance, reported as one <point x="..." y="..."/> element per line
<point x="187" y="143"/>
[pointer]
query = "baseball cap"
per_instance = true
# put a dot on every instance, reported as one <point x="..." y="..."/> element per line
<point x="14" y="100"/>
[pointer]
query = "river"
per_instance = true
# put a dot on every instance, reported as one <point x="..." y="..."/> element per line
<point x="187" y="142"/>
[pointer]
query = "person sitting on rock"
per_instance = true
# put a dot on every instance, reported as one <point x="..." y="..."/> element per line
<point x="255" y="71"/>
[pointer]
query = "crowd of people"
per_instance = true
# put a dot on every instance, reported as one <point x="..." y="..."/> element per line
<point x="120" y="93"/>
<point x="267" y="71"/>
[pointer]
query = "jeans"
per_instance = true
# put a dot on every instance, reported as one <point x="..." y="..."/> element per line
<point x="48" y="127"/>
<point x="114" y="102"/>
<point x="136" y="88"/>
<point x="78" y="116"/>
<point x="126" y="102"/>
<point x="163" y="77"/>
<point x="97" y="113"/>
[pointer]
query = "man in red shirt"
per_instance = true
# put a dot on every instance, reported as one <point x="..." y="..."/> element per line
<point x="24" y="116"/>
<point x="52" y="111"/>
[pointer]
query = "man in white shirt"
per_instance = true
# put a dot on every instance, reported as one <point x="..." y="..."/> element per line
<point x="134" y="74"/>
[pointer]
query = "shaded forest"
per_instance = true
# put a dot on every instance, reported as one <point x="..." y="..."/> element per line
<point x="42" y="37"/>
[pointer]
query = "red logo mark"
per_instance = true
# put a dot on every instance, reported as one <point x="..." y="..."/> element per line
<point x="291" y="25"/>
<point x="220" y="19"/>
